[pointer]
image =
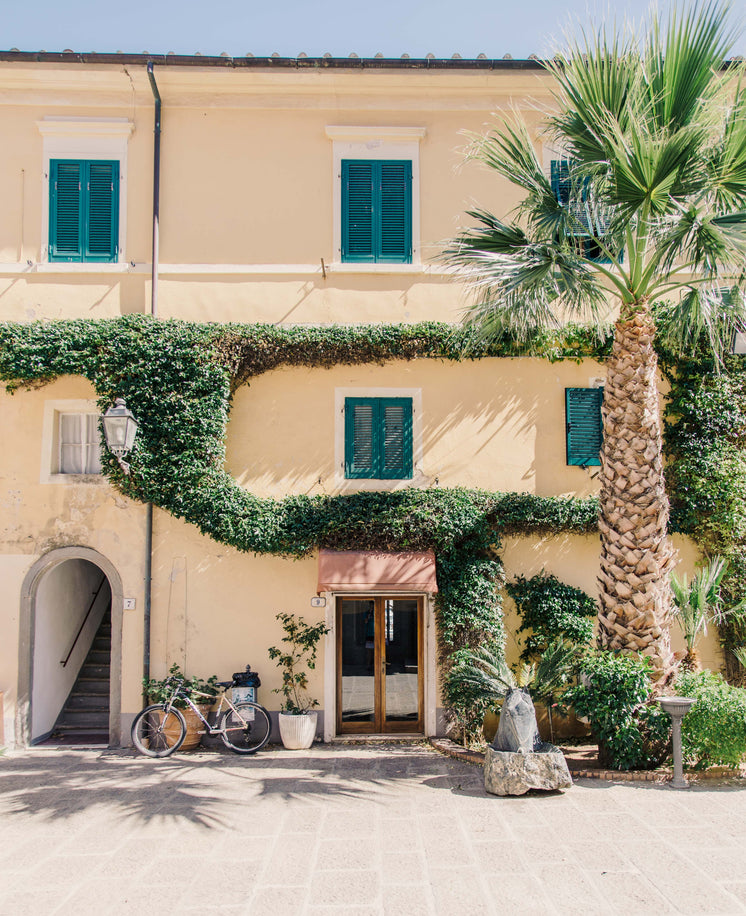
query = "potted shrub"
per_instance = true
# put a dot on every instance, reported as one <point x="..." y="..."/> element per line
<point x="295" y="659"/>
<point x="160" y="691"/>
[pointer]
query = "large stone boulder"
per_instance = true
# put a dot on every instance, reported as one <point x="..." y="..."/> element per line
<point x="517" y="730"/>
<point x="515" y="773"/>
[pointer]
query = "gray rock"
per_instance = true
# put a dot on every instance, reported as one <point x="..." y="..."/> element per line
<point x="517" y="730"/>
<point x="510" y="773"/>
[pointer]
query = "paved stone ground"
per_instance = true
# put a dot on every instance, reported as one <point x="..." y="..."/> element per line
<point x="352" y="830"/>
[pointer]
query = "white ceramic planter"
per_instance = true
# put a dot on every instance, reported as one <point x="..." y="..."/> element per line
<point x="297" y="732"/>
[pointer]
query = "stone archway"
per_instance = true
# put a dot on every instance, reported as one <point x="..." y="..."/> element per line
<point x="27" y="629"/>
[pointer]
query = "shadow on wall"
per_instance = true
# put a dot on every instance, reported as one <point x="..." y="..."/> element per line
<point x="493" y="424"/>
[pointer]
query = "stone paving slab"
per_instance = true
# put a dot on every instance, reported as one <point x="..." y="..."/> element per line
<point x="347" y="830"/>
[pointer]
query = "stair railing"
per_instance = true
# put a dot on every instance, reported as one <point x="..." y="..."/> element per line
<point x="66" y="659"/>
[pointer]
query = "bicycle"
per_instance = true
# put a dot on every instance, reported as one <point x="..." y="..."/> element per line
<point x="160" y="729"/>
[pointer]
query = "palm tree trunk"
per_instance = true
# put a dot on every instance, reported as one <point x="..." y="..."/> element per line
<point x="636" y="553"/>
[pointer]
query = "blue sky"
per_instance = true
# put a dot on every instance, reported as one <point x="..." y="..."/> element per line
<point x="393" y="27"/>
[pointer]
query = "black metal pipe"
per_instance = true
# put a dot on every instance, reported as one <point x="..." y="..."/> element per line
<point x="148" y="593"/>
<point x="156" y="191"/>
<point x="154" y="313"/>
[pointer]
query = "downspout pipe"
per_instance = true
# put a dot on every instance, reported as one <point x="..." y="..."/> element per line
<point x="154" y="314"/>
<point x="156" y="190"/>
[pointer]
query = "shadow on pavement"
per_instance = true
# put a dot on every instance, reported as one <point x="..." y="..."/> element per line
<point x="203" y="788"/>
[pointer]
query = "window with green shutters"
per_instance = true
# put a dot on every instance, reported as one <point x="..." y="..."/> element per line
<point x="83" y="210"/>
<point x="377" y="211"/>
<point x="378" y="438"/>
<point x="561" y="187"/>
<point x="584" y="427"/>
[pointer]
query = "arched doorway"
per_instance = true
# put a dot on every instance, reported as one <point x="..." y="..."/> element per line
<point x="66" y="597"/>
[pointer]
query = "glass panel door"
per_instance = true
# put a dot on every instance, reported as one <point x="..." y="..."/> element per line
<point x="379" y="665"/>
<point x="356" y="658"/>
<point x="402" y="662"/>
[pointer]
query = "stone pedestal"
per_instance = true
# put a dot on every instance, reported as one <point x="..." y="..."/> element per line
<point x="510" y="773"/>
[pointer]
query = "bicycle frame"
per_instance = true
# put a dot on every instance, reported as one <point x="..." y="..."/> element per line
<point x="211" y="729"/>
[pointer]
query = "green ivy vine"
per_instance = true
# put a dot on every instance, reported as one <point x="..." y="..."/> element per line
<point x="178" y="378"/>
<point x="705" y="442"/>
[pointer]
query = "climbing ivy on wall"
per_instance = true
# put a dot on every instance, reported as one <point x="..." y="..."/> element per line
<point x="178" y="379"/>
<point x="705" y="441"/>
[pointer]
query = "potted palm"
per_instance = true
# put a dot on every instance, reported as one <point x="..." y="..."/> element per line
<point x="197" y="689"/>
<point x="294" y="659"/>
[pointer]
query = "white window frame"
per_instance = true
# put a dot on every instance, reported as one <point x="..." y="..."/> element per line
<point x="50" y="441"/>
<point x="367" y="143"/>
<point x="355" y="484"/>
<point x="90" y="139"/>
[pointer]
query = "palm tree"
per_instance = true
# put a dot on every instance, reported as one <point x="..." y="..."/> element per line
<point x="641" y="224"/>
<point x="698" y="604"/>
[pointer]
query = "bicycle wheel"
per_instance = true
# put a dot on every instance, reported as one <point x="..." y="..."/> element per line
<point x="246" y="730"/>
<point x="158" y="733"/>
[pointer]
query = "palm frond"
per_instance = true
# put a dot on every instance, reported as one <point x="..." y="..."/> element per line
<point x="521" y="284"/>
<point x="726" y="168"/>
<point x="598" y="80"/>
<point x="709" y="244"/>
<point x="698" y="604"/>
<point x="679" y="62"/>
<point x="555" y="668"/>
<point x="486" y="670"/>
<point x="712" y="314"/>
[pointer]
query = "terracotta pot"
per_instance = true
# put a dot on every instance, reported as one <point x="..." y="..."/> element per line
<point x="194" y="728"/>
<point x="297" y="732"/>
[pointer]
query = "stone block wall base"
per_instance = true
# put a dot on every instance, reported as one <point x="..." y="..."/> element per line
<point x="508" y="773"/>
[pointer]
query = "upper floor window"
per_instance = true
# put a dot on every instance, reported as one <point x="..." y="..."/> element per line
<point x="561" y="188"/>
<point x="376" y="198"/>
<point x="83" y="210"/>
<point x="84" y="197"/>
<point x="377" y="211"/>
<point x="378" y="438"/>
<point x="583" y="425"/>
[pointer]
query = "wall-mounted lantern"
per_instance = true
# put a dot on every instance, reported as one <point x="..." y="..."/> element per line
<point x="120" y="429"/>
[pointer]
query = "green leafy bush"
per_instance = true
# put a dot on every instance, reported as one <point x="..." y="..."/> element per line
<point x="550" y="610"/>
<point x="615" y="694"/>
<point x="714" y="730"/>
<point x="201" y="692"/>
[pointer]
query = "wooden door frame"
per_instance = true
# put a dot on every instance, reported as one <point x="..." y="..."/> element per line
<point x="379" y="724"/>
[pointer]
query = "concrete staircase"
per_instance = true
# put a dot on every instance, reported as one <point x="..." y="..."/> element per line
<point x="85" y="716"/>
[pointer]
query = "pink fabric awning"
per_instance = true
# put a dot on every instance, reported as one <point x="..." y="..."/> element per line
<point x="373" y="570"/>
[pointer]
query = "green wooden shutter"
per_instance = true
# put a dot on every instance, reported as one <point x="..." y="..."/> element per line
<point x="358" y="236"/>
<point x="377" y="211"/>
<point x="395" y="441"/>
<point x="560" y="180"/>
<point x="378" y="438"/>
<point x="65" y="210"/>
<point x="102" y="205"/>
<point x="584" y="426"/>
<point x="83" y="210"/>
<point x="395" y="223"/>
<point x="359" y="437"/>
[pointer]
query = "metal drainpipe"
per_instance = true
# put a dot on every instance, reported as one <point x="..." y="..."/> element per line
<point x="156" y="190"/>
<point x="154" y="313"/>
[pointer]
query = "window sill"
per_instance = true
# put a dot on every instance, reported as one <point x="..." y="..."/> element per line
<point x="340" y="267"/>
<point x="87" y="480"/>
<point x="82" y="267"/>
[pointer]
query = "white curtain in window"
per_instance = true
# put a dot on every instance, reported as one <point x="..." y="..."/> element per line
<point x="79" y="444"/>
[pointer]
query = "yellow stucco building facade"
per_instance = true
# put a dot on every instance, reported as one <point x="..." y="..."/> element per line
<point x="257" y="197"/>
